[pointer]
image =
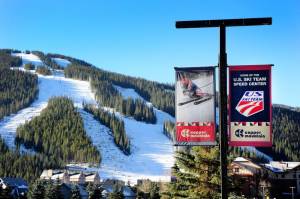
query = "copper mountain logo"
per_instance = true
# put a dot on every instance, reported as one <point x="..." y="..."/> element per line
<point x="240" y="133"/>
<point x="185" y="133"/>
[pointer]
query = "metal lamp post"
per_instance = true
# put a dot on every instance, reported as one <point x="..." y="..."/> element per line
<point x="222" y="24"/>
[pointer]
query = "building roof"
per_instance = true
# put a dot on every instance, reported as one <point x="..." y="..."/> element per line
<point x="245" y="163"/>
<point x="127" y="191"/>
<point x="240" y="159"/>
<point x="280" y="166"/>
<point x="75" y="175"/>
<point x="15" y="182"/>
<point x="82" y="190"/>
<point x="90" y="174"/>
<point x="59" y="175"/>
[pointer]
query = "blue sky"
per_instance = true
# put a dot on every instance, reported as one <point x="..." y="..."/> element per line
<point x="139" y="38"/>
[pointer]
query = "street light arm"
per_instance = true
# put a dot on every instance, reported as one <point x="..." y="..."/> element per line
<point x="224" y="22"/>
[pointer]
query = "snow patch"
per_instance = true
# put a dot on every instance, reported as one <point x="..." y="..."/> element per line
<point x="29" y="58"/>
<point x="61" y="62"/>
<point x="128" y="93"/>
<point x="131" y="93"/>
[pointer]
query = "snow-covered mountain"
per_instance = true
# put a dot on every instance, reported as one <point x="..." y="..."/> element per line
<point x="152" y="152"/>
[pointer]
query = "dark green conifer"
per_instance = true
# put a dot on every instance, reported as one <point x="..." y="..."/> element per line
<point x="198" y="176"/>
<point x="75" y="193"/>
<point x="117" y="193"/>
<point x="37" y="190"/>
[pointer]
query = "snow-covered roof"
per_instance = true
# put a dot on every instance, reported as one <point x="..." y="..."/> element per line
<point x="240" y="159"/>
<point x="91" y="176"/>
<point x="57" y="176"/>
<point x="247" y="164"/>
<point x="83" y="192"/>
<point x="280" y="166"/>
<point x="14" y="182"/>
<point x="127" y="191"/>
<point x="76" y="175"/>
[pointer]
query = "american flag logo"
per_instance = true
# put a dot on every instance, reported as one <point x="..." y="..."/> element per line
<point x="251" y="103"/>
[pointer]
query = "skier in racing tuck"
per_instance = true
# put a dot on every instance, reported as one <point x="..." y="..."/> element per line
<point x="190" y="88"/>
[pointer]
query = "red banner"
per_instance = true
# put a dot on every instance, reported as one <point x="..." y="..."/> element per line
<point x="195" y="106"/>
<point x="196" y="133"/>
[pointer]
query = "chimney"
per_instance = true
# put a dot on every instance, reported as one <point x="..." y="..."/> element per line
<point x="50" y="173"/>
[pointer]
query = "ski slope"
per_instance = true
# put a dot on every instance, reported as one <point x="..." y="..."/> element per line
<point x="29" y="58"/>
<point x="62" y="62"/>
<point x="128" y="93"/>
<point x="151" y="157"/>
<point x="49" y="86"/>
<point x="152" y="152"/>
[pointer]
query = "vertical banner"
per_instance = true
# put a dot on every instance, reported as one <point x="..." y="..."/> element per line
<point x="195" y="106"/>
<point x="250" y="110"/>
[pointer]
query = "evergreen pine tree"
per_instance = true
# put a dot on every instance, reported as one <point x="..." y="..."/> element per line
<point x="97" y="194"/>
<point x="90" y="189"/>
<point x="154" y="191"/>
<point x="57" y="190"/>
<point x="75" y="193"/>
<point x="94" y="191"/>
<point x="52" y="191"/>
<point x="117" y="193"/>
<point x="140" y="195"/>
<point x="197" y="174"/>
<point x="29" y="66"/>
<point x="37" y="190"/>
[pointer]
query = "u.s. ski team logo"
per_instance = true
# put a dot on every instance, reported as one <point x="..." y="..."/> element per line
<point x="251" y="103"/>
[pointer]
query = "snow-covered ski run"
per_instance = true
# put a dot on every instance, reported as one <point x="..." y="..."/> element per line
<point x="152" y="152"/>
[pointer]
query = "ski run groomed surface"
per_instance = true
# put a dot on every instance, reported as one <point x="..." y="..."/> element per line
<point x="151" y="151"/>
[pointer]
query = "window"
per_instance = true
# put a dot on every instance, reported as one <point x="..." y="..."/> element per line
<point x="236" y="170"/>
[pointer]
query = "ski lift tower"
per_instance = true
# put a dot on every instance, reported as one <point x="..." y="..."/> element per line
<point x="222" y="24"/>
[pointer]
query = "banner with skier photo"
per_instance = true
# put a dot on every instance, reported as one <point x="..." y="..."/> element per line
<point x="195" y="106"/>
<point x="250" y="110"/>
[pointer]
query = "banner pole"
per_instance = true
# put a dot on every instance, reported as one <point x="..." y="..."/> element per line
<point x="223" y="111"/>
<point x="223" y="121"/>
